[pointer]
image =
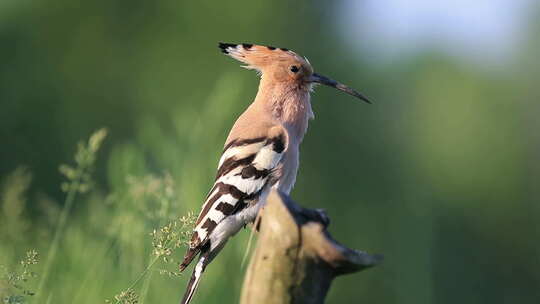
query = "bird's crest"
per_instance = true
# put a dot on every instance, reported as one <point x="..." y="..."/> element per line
<point x="260" y="57"/>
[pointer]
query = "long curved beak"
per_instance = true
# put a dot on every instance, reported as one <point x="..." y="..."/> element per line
<point x="332" y="83"/>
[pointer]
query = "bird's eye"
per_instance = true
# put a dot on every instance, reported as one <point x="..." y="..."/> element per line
<point x="294" y="69"/>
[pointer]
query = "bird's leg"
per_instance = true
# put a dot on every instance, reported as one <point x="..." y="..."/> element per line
<point x="256" y="225"/>
<point x="257" y="222"/>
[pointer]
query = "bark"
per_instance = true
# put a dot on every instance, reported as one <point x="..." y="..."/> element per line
<point x="296" y="259"/>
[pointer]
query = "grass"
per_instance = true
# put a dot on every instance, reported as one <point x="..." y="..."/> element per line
<point x="78" y="181"/>
<point x="121" y="239"/>
<point x="14" y="285"/>
<point x="153" y="198"/>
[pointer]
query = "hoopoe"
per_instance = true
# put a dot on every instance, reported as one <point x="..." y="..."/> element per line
<point x="261" y="151"/>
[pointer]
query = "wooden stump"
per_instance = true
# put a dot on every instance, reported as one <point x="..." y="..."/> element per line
<point x="296" y="259"/>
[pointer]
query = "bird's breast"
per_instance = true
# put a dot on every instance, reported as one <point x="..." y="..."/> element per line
<point x="286" y="172"/>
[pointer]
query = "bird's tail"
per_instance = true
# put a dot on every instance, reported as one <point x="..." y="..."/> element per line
<point x="195" y="279"/>
<point x="188" y="257"/>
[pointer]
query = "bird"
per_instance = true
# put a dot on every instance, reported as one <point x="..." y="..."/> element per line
<point x="261" y="151"/>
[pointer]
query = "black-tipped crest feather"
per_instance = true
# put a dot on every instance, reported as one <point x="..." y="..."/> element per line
<point x="224" y="46"/>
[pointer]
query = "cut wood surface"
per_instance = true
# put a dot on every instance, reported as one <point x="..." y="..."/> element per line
<point x="296" y="259"/>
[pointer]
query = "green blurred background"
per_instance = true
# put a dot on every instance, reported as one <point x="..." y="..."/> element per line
<point x="440" y="174"/>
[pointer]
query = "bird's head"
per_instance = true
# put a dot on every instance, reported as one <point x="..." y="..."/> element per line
<point x="281" y="65"/>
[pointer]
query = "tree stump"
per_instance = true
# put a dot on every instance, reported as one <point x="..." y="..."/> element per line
<point x="296" y="259"/>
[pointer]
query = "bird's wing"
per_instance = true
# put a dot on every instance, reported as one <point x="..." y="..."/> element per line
<point x="245" y="167"/>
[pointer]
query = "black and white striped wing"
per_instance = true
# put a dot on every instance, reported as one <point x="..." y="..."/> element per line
<point x="245" y="168"/>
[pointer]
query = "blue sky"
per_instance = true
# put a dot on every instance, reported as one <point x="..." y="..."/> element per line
<point x="478" y="30"/>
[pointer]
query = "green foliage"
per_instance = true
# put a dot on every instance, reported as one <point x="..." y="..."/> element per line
<point x="126" y="297"/>
<point x="14" y="282"/>
<point x="165" y="242"/>
<point x="79" y="177"/>
<point x="79" y="181"/>
<point x="153" y="197"/>
<point x="170" y="237"/>
<point x="13" y="204"/>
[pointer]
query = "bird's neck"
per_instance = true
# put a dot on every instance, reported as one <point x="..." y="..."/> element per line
<point x="288" y="104"/>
